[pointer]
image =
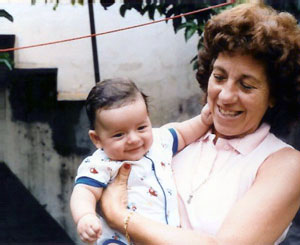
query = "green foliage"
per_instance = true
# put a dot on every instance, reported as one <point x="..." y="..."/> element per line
<point x="6" y="60"/>
<point x="6" y="15"/>
<point x="4" y="57"/>
<point x="73" y="2"/>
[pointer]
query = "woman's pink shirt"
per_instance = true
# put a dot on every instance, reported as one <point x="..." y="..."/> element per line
<point x="218" y="175"/>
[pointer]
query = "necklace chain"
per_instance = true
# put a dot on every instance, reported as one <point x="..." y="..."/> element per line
<point x="210" y="174"/>
<point x="193" y="191"/>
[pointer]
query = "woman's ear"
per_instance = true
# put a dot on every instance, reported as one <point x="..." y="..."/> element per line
<point x="95" y="138"/>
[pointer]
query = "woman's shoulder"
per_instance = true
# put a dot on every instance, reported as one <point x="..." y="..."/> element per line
<point x="284" y="163"/>
<point x="286" y="156"/>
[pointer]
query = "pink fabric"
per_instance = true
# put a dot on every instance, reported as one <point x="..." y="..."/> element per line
<point x="229" y="168"/>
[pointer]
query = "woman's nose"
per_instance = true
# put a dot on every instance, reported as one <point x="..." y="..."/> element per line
<point x="228" y="94"/>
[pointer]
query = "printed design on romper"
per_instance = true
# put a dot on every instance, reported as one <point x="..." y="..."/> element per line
<point x="152" y="192"/>
<point x="131" y="206"/>
<point x="142" y="178"/>
<point x="93" y="171"/>
<point x="170" y="191"/>
<point x="116" y="236"/>
<point x="162" y="164"/>
<point x="106" y="159"/>
<point x="109" y="169"/>
<point x="87" y="160"/>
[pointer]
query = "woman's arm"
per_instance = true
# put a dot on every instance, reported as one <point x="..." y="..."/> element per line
<point x="259" y="217"/>
<point x="269" y="206"/>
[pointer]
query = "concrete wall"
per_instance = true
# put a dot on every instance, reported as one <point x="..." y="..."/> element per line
<point x="153" y="56"/>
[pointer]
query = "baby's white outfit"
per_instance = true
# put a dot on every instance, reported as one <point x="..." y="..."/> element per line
<point x="151" y="188"/>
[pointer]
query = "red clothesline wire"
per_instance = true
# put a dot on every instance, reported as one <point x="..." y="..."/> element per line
<point x="116" y="30"/>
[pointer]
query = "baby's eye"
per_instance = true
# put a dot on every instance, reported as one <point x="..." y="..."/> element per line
<point x="142" y="127"/>
<point x="118" y="135"/>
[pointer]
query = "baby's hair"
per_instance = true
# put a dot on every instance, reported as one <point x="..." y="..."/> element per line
<point x="111" y="94"/>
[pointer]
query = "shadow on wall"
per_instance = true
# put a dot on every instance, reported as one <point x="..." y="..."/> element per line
<point x="32" y="95"/>
<point x="22" y="218"/>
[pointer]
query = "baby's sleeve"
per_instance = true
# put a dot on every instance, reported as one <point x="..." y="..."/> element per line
<point x="96" y="172"/>
<point x="169" y="138"/>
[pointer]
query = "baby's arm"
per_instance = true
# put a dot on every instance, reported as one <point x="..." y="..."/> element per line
<point x="83" y="208"/>
<point x="190" y="130"/>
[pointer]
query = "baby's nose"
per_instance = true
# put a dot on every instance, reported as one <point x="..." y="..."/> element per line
<point x="133" y="138"/>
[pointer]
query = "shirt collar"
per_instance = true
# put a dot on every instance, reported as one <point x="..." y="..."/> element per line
<point x="245" y="144"/>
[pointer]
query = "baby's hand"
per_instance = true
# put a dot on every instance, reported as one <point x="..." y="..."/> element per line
<point x="89" y="228"/>
<point x="206" y="116"/>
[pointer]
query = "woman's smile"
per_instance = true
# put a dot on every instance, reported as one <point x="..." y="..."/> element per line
<point x="228" y="113"/>
<point x="238" y="94"/>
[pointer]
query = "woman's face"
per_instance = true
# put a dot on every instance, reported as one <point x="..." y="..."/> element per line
<point x="238" y="94"/>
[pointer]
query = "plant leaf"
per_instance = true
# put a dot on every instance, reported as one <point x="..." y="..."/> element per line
<point x="189" y="32"/>
<point x="6" y="63"/>
<point x="176" y="23"/>
<point x="151" y="12"/>
<point x="5" y="14"/>
<point x="195" y="58"/>
<point x="181" y="26"/>
<point x="195" y="65"/>
<point x="123" y="9"/>
<point x="106" y="3"/>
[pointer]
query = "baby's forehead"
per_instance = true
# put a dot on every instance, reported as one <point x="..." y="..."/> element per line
<point x="121" y="103"/>
<point x="129" y="115"/>
<point x="132" y="102"/>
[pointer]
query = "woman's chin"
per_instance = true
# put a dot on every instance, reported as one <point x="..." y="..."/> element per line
<point x="222" y="131"/>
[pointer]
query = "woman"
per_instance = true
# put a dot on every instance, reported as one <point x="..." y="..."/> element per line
<point x="239" y="184"/>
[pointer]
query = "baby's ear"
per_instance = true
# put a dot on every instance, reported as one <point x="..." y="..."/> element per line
<point x="95" y="138"/>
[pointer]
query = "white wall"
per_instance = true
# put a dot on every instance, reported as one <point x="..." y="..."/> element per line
<point x="149" y="55"/>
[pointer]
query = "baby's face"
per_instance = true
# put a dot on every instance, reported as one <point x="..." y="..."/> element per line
<point x="125" y="133"/>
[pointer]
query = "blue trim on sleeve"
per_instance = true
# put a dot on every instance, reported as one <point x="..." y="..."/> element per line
<point x="90" y="181"/>
<point x="175" y="142"/>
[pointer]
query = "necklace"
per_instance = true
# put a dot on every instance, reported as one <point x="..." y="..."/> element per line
<point x="210" y="162"/>
<point x="193" y="191"/>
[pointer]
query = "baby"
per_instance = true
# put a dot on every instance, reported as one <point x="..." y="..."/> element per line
<point x="121" y="130"/>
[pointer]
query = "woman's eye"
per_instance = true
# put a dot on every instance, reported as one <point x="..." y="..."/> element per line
<point x="246" y="86"/>
<point x="218" y="77"/>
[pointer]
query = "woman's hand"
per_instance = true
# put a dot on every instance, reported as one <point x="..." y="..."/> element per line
<point x="114" y="199"/>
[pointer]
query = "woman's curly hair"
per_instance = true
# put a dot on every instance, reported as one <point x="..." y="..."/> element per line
<point x="267" y="35"/>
